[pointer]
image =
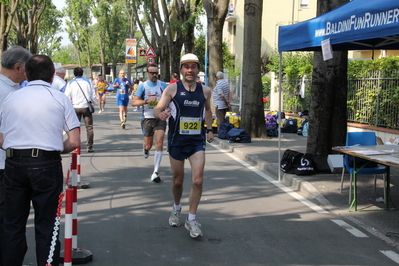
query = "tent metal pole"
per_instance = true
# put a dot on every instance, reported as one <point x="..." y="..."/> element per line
<point x="280" y="67"/>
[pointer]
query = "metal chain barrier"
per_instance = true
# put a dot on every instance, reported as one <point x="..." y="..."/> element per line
<point x="58" y="217"/>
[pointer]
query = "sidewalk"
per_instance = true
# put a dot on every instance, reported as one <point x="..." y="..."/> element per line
<point x="324" y="188"/>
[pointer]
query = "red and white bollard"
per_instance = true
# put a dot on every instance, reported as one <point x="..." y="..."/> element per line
<point x="78" y="256"/>
<point x="80" y="183"/>
<point x="68" y="228"/>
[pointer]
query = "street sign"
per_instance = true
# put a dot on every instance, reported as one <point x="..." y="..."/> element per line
<point x="130" y="54"/>
<point x="142" y="52"/>
<point x="150" y="52"/>
<point x="150" y="60"/>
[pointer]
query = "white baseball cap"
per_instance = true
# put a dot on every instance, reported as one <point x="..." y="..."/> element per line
<point x="189" y="58"/>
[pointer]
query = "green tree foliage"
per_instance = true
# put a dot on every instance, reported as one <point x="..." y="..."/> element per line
<point x="65" y="55"/>
<point x="228" y="58"/>
<point x="79" y="17"/>
<point x="373" y="96"/>
<point x="25" y="23"/>
<point x="49" y="26"/>
<point x="112" y="30"/>
<point x="199" y="50"/>
<point x="295" y="65"/>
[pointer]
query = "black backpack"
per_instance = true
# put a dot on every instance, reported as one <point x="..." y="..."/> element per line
<point x="224" y="128"/>
<point x="238" y="135"/>
<point x="304" y="166"/>
<point x="294" y="162"/>
<point x="289" y="160"/>
<point x="290" y="126"/>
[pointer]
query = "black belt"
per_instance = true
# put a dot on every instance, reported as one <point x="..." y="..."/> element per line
<point x="32" y="153"/>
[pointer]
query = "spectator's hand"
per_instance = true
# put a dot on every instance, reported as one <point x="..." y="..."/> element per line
<point x="164" y="115"/>
<point x="152" y="99"/>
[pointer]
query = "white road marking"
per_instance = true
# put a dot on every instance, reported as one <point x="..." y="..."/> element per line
<point x="349" y="228"/>
<point x="274" y="182"/>
<point x="391" y="254"/>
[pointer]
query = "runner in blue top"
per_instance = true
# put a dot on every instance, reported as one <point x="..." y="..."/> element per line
<point x="123" y="85"/>
<point x="189" y="103"/>
<point x="147" y="95"/>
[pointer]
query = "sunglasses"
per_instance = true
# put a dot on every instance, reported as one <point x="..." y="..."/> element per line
<point x="153" y="73"/>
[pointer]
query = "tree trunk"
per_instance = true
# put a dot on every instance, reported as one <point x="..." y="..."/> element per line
<point x="164" y="60"/>
<point x="327" y="123"/>
<point x="104" y="64"/>
<point x="7" y="13"/>
<point x="253" y="117"/>
<point x="216" y="14"/>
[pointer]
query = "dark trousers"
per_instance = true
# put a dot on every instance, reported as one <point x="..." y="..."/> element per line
<point x="220" y="115"/>
<point x="27" y="179"/>
<point x="88" y="119"/>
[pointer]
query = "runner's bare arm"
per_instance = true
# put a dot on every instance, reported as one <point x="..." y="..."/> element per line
<point x="208" y="113"/>
<point x="137" y="101"/>
<point x="166" y="98"/>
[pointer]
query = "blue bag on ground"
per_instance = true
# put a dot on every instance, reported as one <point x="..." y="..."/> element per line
<point x="238" y="135"/>
<point x="271" y="126"/>
<point x="224" y="128"/>
<point x="290" y="126"/>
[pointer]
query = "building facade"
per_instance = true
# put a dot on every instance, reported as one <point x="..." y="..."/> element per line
<point x="275" y="14"/>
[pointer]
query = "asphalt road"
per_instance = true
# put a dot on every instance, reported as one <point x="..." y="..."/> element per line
<point x="247" y="217"/>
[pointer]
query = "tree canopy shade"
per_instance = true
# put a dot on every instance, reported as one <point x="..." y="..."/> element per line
<point x="356" y="25"/>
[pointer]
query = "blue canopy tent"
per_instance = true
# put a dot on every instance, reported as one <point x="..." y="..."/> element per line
<point x="356" y="25"/>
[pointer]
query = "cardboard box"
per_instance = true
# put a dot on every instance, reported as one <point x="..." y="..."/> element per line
<point x="335" y="161"/>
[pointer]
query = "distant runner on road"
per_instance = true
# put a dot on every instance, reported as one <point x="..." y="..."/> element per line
<point x="123" y="86"/>
<point x="148" y="95"/>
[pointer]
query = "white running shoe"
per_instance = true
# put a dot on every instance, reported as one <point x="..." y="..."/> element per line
<point x="194" y="228"/>
<point x="100" y="111"/>
<point x="174" y="219"/>
<point x="155" y="177"/>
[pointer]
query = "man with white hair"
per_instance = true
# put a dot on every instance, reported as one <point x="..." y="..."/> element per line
<point x="59" y="82"/>
<point x="12" y="74"/>
<point x="221" y="97"/>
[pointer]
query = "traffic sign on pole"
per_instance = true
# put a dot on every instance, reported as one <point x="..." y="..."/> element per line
<point x="142" y="52"/>
<point x="150" y="60"/>
<point x="150" y="52"/>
